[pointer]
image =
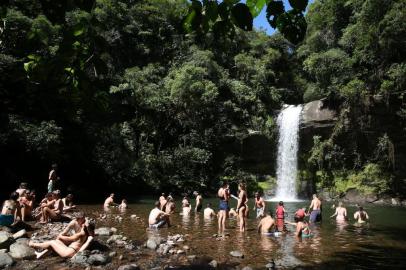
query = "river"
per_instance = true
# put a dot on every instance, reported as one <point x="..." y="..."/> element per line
<point x="380" y="244"/>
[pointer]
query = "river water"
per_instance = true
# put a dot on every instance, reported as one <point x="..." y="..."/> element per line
<point x="378" y="245"/>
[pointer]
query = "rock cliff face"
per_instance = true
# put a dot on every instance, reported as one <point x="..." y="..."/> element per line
<point x="317" y="120"/>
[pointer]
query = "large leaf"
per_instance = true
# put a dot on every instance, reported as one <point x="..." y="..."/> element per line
<point x="273" y="11"/>
<point x="292" y="25"/>
<point x="299" y="4"/>
<point x="242" y="16"/>
<point x="256" y="6"/>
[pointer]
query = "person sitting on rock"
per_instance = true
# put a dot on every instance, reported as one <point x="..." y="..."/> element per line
<point x="26" y="203"/>
<point x="48" y="201"/>
<point x="157" y="217"/>
<point x="68" y="203"/>
<point x="22" y="188"/>
<point x="68" y="246"/>
<point x="75" y="225"/>
<point x="123" y="205"/>
<point x="208" y="212"/>
<point x="53" y="212"/>
<point x="8" y="214"/>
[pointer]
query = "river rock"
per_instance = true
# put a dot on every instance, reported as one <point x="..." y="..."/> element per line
<point x="103" y="231"/>
<point x="5" y="260"/>
<point x="98" y="259"/>
<point x="191" y="258"/>
<point x="21" y="250"/>
<point x="112" y="254"/>
<point x="133" y="216"/>
<point x="270" y="265"/>
<point x="113" y="230"/>
<point x="247" y="268"/>
<point x="152" y="244"/>
<point x="214" y="264"/>
<point x="186" y="247"/>
<point x="80" y="258"/>
<point x="180" y="251"/>
<point x="395" y="201"/>
<point x="3" y="250"/>
<point x="20" y="234"/>
<point x="6" y="239"/>
<point x="129" y="267"/>
<point x="237" y="254"/>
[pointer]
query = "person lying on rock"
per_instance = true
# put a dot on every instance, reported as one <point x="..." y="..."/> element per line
<point x="68" y="246"/>
<point x="53" y="212"/>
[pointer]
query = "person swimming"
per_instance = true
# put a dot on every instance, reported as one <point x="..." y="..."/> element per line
<point x="340" y="213"/>
<point x="267" y="224"/>
<point x="361" y="216"/>
<point x="208" y="212"/>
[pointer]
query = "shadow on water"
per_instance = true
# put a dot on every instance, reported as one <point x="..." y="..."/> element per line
<point x="365" y="257"/>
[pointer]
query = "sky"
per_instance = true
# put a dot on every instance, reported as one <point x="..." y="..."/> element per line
<point x="261" y="22"/>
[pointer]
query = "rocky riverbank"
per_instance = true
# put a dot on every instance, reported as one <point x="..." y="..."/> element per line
<point x="110" y="250"/>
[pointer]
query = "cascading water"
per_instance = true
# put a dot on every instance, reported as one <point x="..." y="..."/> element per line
<point x="288" y="145"/>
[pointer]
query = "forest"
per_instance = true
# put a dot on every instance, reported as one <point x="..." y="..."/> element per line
<point x="122" y="98"/>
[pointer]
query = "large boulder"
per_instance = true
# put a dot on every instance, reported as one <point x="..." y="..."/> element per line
<point x="5" y="260"/>
<point x="152" y="244"/>
<point x="21" y="250"/>
<point x="353" y="195"/>
<point x="6" y="239"/>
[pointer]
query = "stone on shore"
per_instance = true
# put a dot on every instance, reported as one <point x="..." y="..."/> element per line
<point x="80" y="258"/>
<point x="152" y="244"/>
<point x="103" y="231"/>
<point x="5" y="260"/>
<point x="129" y="267"/>
<point x="21" y="250"/>
<point x="20" y="234"/>
<point x="98" y="259"/>
<point x="214" y="264"/>
<point x="247" y="268"/>
<point x="237" y="254"/>
<point x="6" y="239"/>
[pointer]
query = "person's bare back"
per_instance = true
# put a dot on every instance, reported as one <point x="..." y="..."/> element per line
<point x="266" y="224"/>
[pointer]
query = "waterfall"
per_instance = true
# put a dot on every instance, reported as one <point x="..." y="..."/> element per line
<point x="288" y="145"/>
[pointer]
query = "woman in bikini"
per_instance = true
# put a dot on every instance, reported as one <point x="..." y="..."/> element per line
<point x="241" y="206"/>
<point x="74" y="244"/>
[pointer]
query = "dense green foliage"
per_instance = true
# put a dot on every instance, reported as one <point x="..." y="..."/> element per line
<point x="116" y="94"/>
<point x="354" y="55"/>
<point x="119" y="95"/>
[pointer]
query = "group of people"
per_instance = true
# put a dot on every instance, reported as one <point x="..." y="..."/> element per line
<point x="22" y="206"/>
<point x="271" y="222"/>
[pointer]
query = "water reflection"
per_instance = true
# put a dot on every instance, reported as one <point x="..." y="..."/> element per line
<point x="358" y="246"/>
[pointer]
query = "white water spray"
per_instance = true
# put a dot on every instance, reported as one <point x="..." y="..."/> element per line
<point x="288" y="146"/>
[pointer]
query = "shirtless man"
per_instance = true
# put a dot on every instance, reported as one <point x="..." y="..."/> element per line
<point x="109" y="201"/>
<point x="162" y="201"/>
<point x="259" y="205"/>
<point x="361" y="216"/>
<point x="199" y="202"/>
<point x="315" y="208"/>
<point x="170" y="206"/>
<point x="53" y="213"/>
<point x="158" y="218"/>
<point x="208" y="212"/>
<point x="266" y="225"/>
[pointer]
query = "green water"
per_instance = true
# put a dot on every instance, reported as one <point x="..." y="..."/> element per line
<point x="381" y="244"/>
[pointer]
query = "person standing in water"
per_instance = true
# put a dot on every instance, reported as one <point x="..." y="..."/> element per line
<point x="361" y="216"/>
<point x="158" y="218"/>
<point x="199" y="202"/>
<point x="280" y="216"/>
<point x="224" y="195"/>
<point x="315" y="208"/>
<point x="110" y="201"/>
<point x="341" y="213"/>
<point x="259" y="205"/>
<point x="208" y="212"/>
<point x="162" y="201"/>
<point x="241" y="206"/>
<point x="53" y="178"/>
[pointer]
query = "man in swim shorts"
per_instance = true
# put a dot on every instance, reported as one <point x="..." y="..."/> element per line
<point x="259" y="205"/>
<point x="158" y="218"/>
<point x="315" y="208"/>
